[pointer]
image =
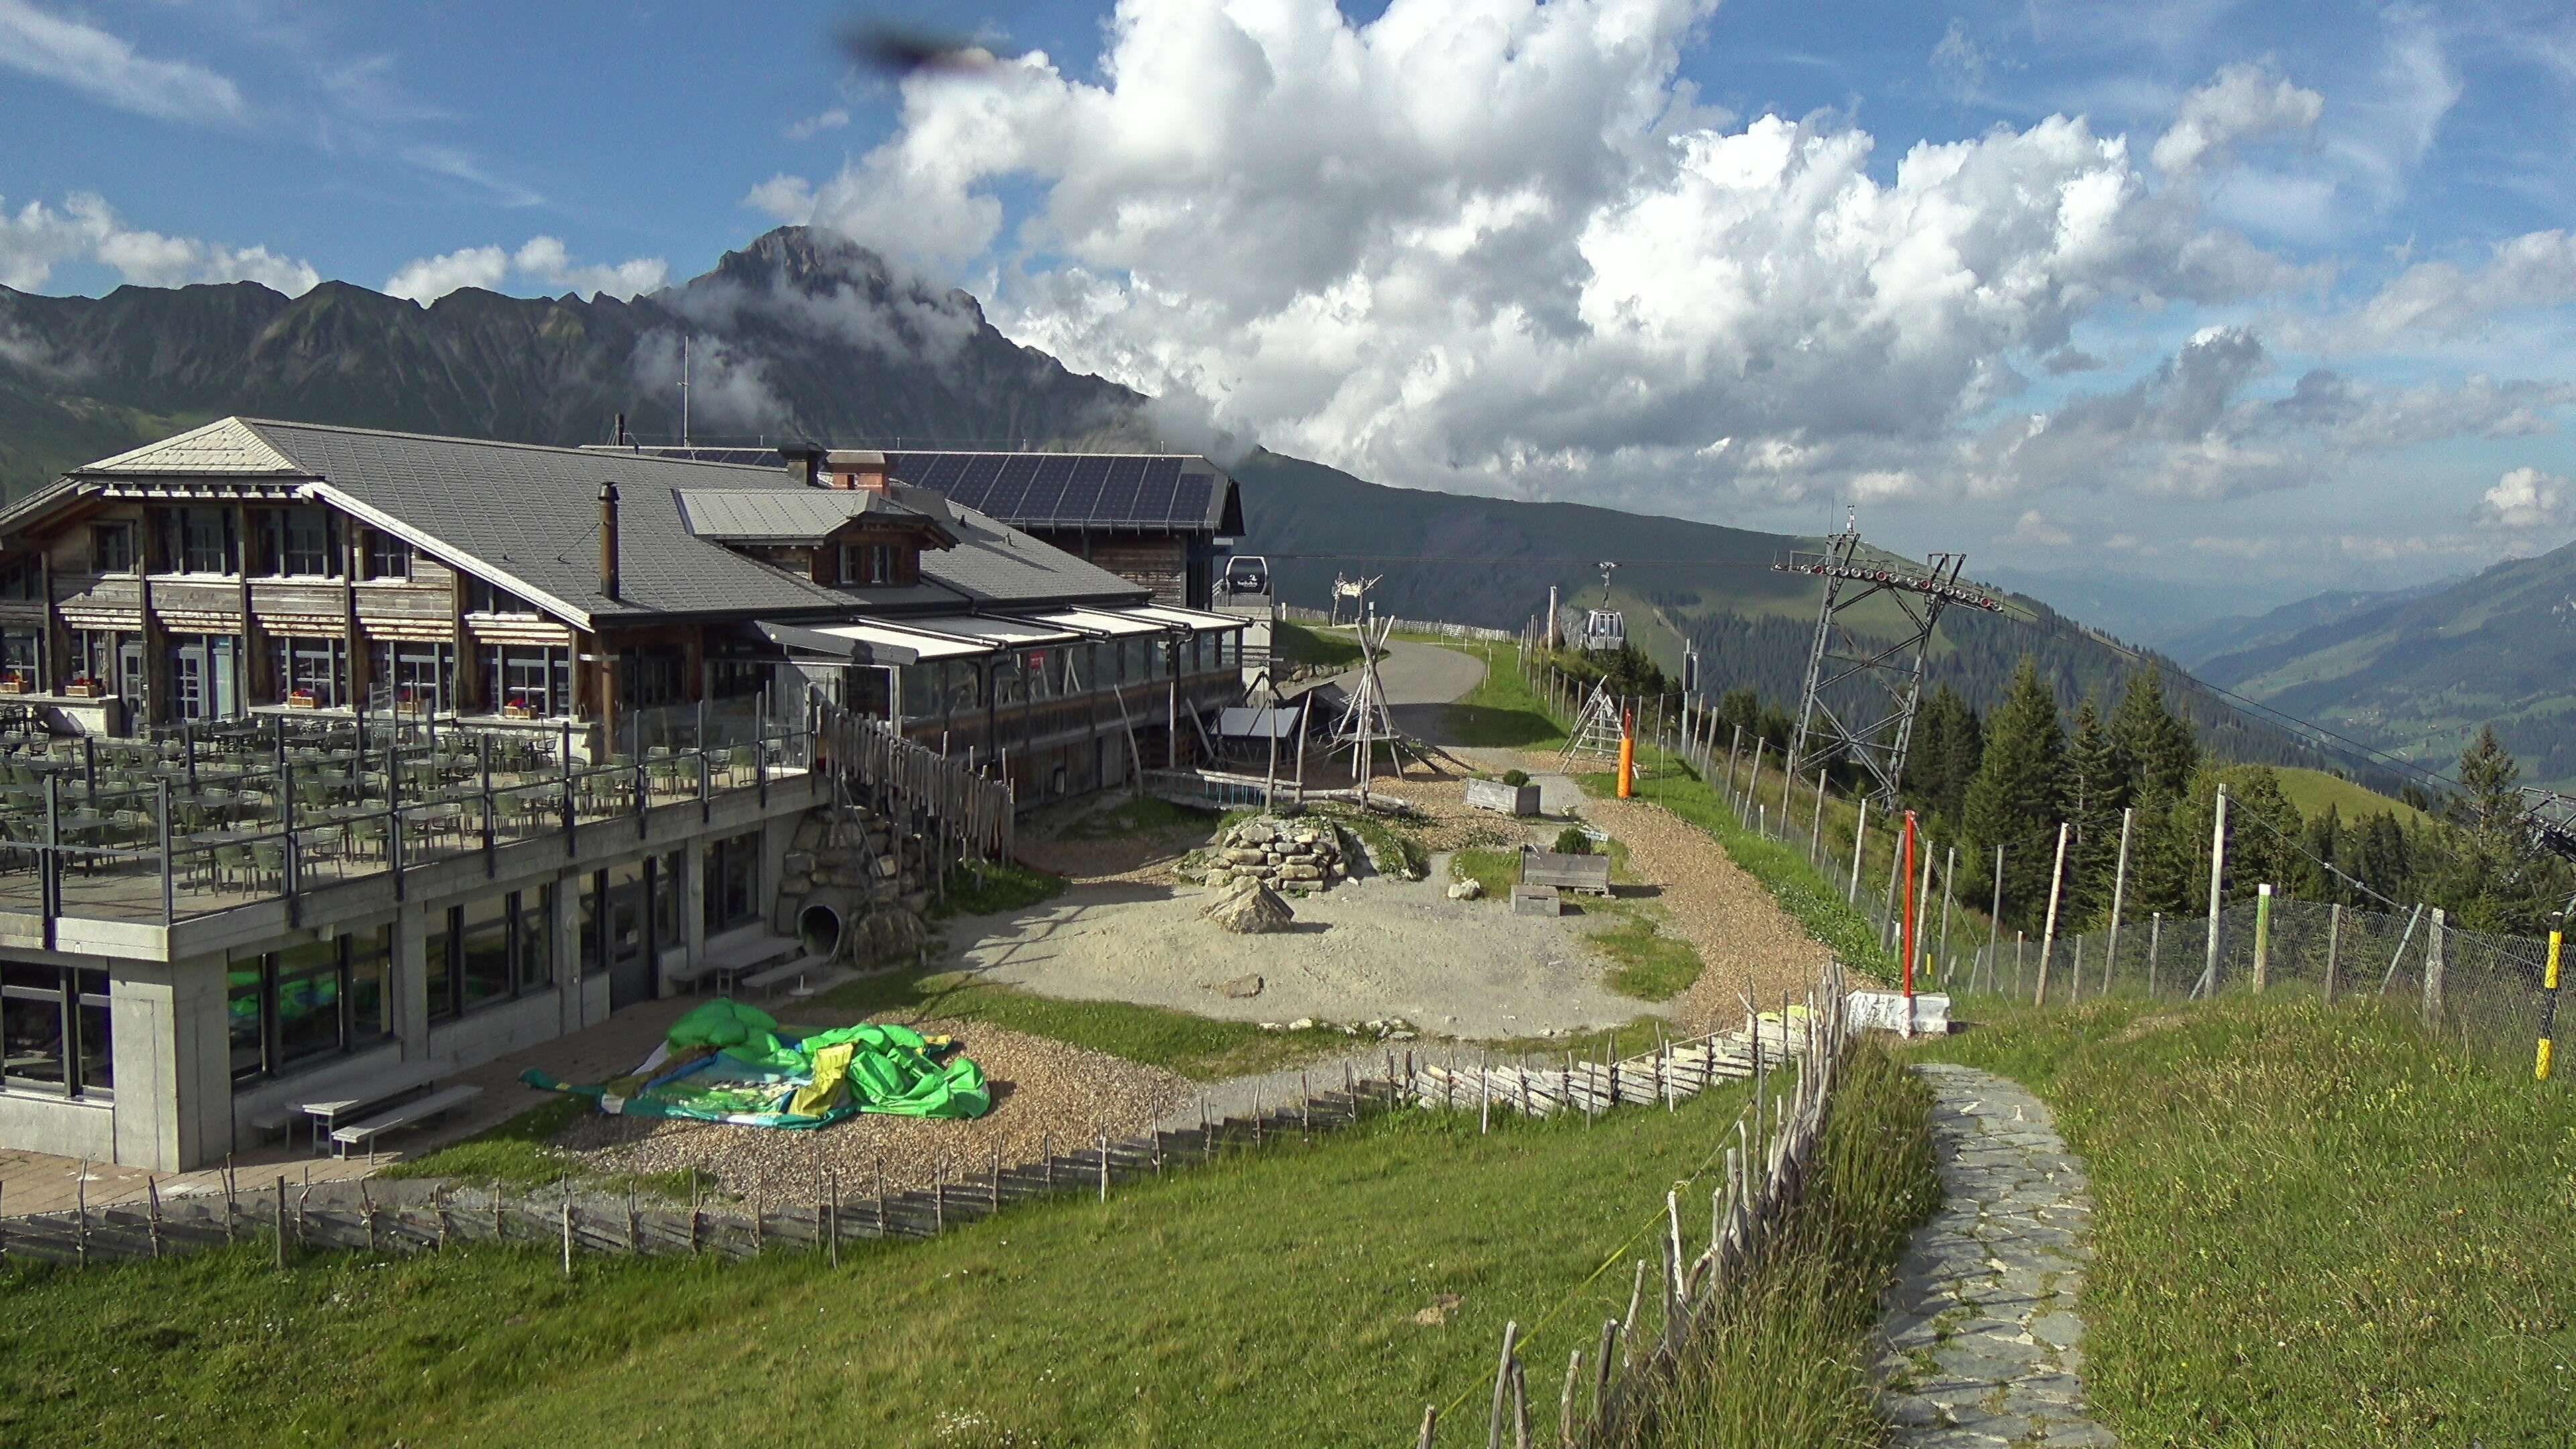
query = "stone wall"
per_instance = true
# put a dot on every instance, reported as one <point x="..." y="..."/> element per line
<point x="855" y="855"/>
<point x="1285" y="855"/>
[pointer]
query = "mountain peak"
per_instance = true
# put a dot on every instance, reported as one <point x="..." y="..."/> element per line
<point x="814" y="261"/>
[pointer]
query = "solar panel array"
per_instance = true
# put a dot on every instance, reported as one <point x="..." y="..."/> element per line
<point x="1066" y="490"/>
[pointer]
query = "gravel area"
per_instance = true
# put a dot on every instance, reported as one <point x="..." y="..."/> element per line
<point x="1748" y="944"/>
<point x="1040" y="1087"/>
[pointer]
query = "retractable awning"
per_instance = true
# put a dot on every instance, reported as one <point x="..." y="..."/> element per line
<point x="1197" y="620"/>
<point x="991" y="629"/>
<point x="871" y="644"/>
<point x="1106" y="621"/>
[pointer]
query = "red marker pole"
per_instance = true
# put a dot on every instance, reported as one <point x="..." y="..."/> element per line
<point x="1909" y="923"/>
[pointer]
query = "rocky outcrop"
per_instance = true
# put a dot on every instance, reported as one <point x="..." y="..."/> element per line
<point x="1289" y="855"/>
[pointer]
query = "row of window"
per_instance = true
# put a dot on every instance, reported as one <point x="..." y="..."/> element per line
<point x="301" y="542"/>
<point x="286" y="1009"/>
<point x="495" y="949"/>
<point x="959" y="688"/>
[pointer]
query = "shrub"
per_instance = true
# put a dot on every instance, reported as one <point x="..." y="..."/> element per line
<point x="1572" y="841"/>
<point x="1516" y="778"/>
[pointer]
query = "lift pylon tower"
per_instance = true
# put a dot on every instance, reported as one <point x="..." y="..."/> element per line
<point x="1872" y="727"/>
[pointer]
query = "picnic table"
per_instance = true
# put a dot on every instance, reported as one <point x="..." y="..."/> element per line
<point x="328" y="1115"/>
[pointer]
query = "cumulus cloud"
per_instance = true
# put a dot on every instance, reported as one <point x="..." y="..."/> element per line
<point x="542" y="259"/>
<point x="2445" y="299"/>
<point x="106" y="67"/>
<point x="2034" y="528"/>
<point x="1508" y="251"/>
<point x="2525" y="498"/>
<point x="2242" y="103"/>
<point x="39" y="238"/>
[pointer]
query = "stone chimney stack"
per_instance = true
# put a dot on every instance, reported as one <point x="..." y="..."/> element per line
<point x="860" y="468"/>
<point x="608" y="539"/>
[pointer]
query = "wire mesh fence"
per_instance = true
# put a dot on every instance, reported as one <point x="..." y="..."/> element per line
<point x="2484" y="989"/>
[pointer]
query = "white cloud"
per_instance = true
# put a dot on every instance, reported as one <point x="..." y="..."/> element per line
<point x="1961" y="62"/>
<point x="2242" y="103"/>
<point x="460" y="165"/>
<point x="2525" y="498"/>
<point x="426" y="279"/>
<point x="1507" y="250"/>
<point x="2444" y="299"/>
<point x="2034" y="528"/>
<point x="39" y="238"/>
<point x="106" y="68"/>
<point x="815" y="125"/>
<point x="543" y="259"/>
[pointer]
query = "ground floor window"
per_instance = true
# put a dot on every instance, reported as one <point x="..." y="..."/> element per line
<point x="732" y="880"/>
<point x="315" y="668"/>
<point x="288" y="1009"/>
<point x="54" y="1030"/>
<point x="530" y="677"/>
<point x="18" y="658"/>
<point x="201" y="677"/>
<point x="421" y="676"/>
<point x="488" y="950"/>
<point x="649" y="677"/>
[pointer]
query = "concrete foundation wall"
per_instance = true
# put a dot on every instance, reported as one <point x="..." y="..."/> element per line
<point x="36" y="1123"/>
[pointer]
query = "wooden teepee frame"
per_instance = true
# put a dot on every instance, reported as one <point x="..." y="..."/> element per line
<point x="1597" y="731"/>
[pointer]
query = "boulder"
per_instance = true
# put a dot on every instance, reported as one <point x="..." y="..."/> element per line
<point x="1250" y="909"/>
<point x="1467" y="890"/>
<point x="1245" y="857"/>
<point x="1301" y="873"/>
<point x="1240" y="988"/>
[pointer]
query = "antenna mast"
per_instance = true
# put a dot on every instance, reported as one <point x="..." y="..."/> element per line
<point x="684" y="389"/>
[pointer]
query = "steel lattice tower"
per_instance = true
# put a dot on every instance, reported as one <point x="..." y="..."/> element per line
<point x="1880" y="723"/>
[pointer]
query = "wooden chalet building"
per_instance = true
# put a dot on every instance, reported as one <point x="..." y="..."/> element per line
<point x="332" y="758"/>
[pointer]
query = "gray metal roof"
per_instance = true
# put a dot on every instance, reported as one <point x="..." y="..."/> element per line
<point x="527" y="517"/>
<point x="785" y="515"/>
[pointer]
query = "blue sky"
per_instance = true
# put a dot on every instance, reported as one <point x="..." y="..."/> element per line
<point x="2244" y="296"/>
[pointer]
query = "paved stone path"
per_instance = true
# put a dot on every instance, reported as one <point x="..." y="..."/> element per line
<point x="1984" y="1347"/>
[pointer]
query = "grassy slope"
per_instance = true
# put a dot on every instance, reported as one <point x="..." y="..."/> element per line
<point x="2313" y="790"/>
<point x="2314" y="1226"/>
<point x="1310" y="644"/>
<point x="1266" y="1300"/>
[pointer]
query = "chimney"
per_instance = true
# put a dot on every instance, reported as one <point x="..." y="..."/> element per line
<point x="608" y="539"/>
<point x="860" y="468"/>
<point x="805" y="464"/>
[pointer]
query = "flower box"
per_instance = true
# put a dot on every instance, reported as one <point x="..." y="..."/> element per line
<point x="83" y="689"/>
<point x="13" y="686"/>
<point x="517" y="711"/>
<point x="300" y="699"/>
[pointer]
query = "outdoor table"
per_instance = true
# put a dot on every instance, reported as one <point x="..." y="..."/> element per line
<point x="325" y="1116"/>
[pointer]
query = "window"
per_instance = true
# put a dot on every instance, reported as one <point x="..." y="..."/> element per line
<point x="534" y="678"/>
<point x="199" y="540"/>
<point x="94" y="659"/>
<point x="18" y="657"/>
<point x="304" y="538"/>
<point x="865" y="565"/>
<point x="1040" y="669"/>
<point x="388" y="556"/>
<point x="54" y="1030"/>
<point x="315" y="667"/>
<point x="286" y="1010"/>
<point x="111" y="548"/>
<point x="1009" y="686"/>
<point x="489" y="950"/>
<point x="22" y="578"/>
<point x="737" y="678"/>
<point x="648" y="677"/>
<point x="1135" y="660"/>
<point x="483" y="598"/>
<point x="667" y="902"/>
<point x="732" y="882"/>
<point x="920" y="694"/>
<point x="420" y="675"/>
<point x="965" y="682"/>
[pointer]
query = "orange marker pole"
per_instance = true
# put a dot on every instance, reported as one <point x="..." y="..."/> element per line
<point x="1627" y="756"/>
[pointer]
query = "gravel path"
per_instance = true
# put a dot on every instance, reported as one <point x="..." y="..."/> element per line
<point x="1040" y="1087"/>
<point x="1984" y="1347"/>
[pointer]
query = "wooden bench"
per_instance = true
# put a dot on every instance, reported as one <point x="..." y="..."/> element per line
<point x="1566" y="872"/>
<point x="791" y="971"/>
<point x="418" y="1109"/>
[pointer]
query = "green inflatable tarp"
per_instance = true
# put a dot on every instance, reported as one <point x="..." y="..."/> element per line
<point x="734" y="1063"/>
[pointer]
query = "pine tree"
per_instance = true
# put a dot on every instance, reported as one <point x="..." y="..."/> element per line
<point x="2014" y="800"/>
<point x="2097" y="789"/>
<point x="2495" y="878"/>
<point x="2156" y="746"/>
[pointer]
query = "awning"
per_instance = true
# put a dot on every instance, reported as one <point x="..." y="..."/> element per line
<point x="1196" y="620"/>
<point x="1104" y="621"/>
<point x="888" y="638"/>
<point x="989" y="629"/>
<point x="806" y="642"/>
